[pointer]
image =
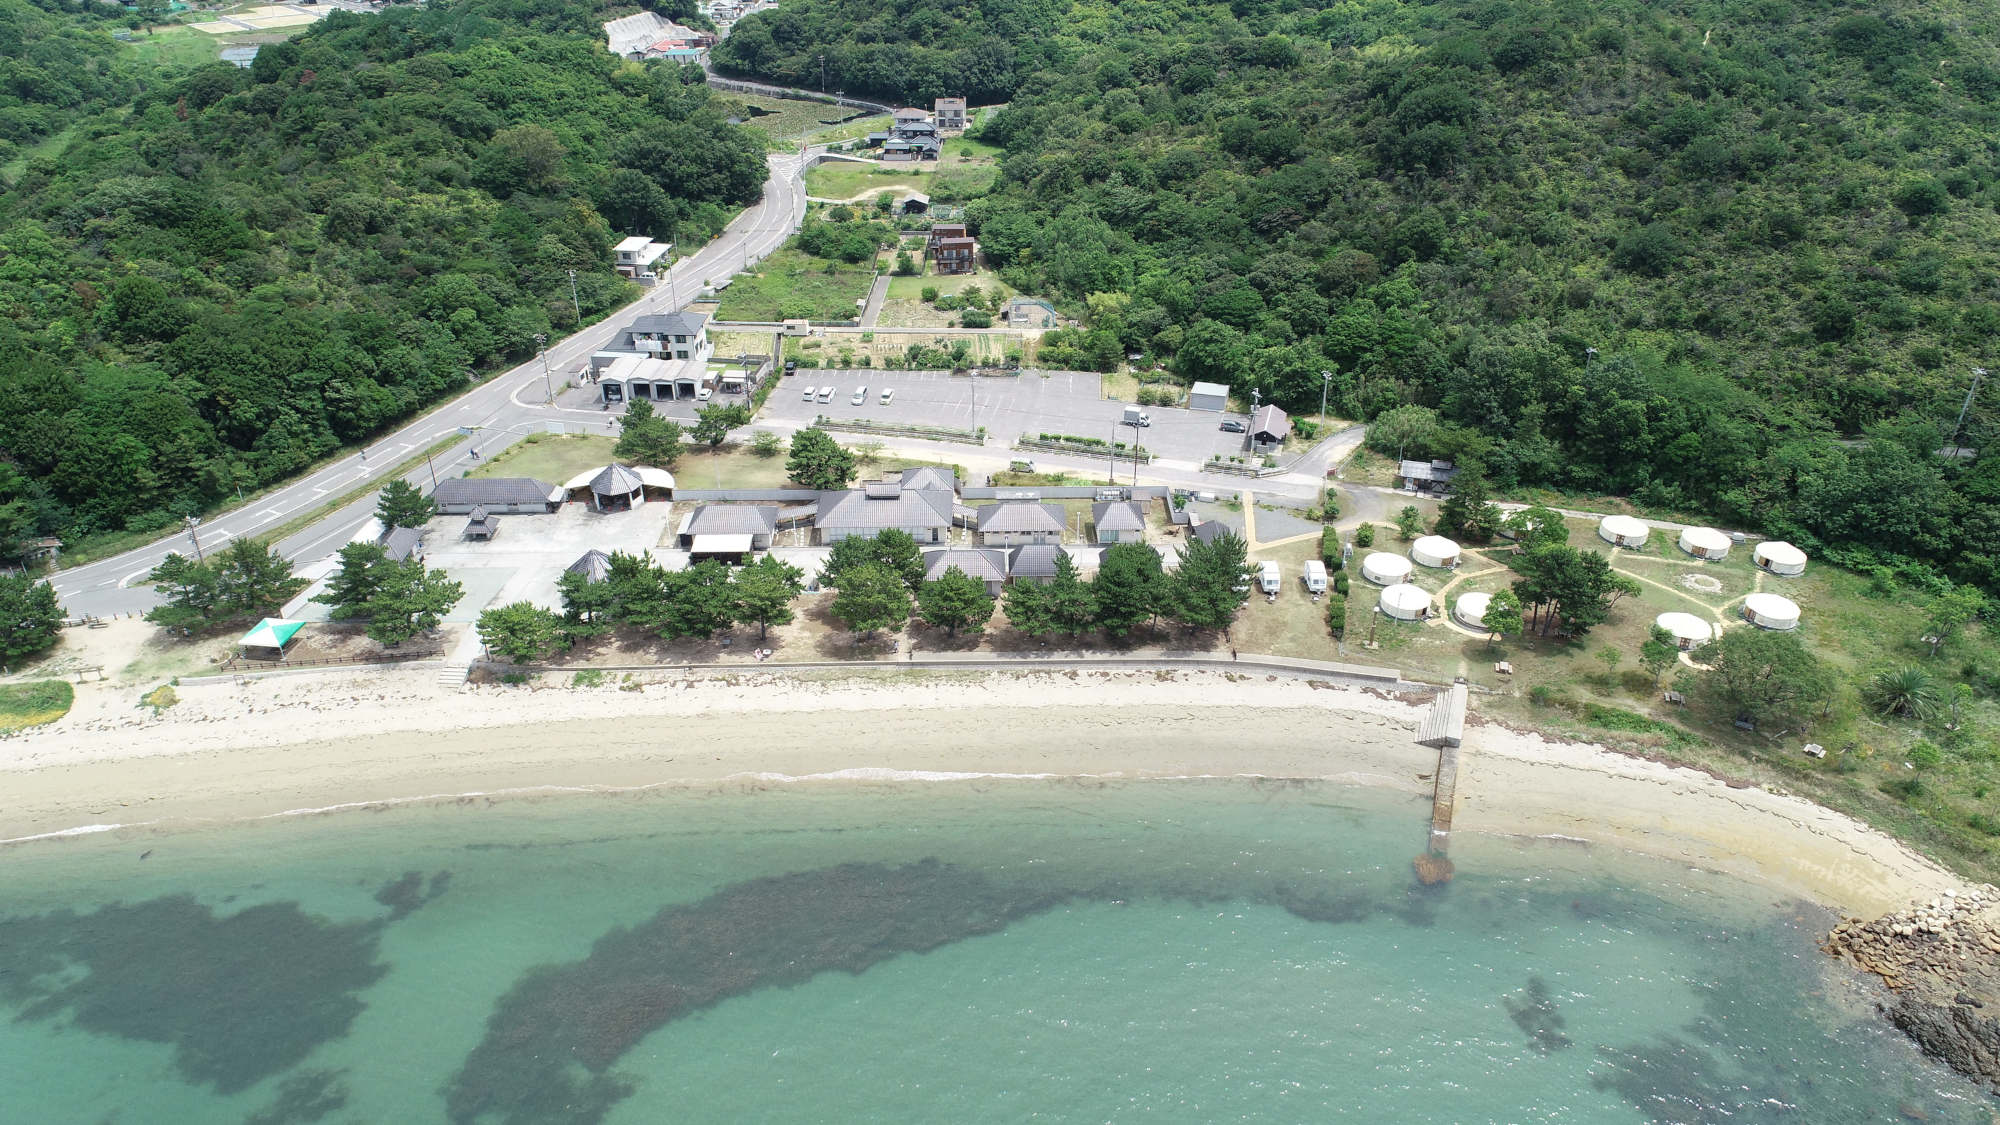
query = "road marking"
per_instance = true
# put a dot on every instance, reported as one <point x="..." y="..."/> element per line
<point x="127" y="580"/>
<point x="273" y="511"/>
<point x="321" y="491"/>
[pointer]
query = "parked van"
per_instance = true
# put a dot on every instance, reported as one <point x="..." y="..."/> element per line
<point x="809" y="392"/>
<point x="860" y="395"/>
<point x="888" y="396"/>
<point x="1315" y="577"/>
<point x="1268" y="578"/>
<point x="826" y="393"/>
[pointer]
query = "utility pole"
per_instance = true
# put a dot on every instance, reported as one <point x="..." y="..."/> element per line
<point x="1978" y="373"/>
<point x="1325" y="382"/>
<point x="433" y="468"/>
<point x="822" y="74"/>
<point x="193" y="538"/>
<point x="1589" y="354"/>
<point x="542" y="344"/>
<point x="575" y="303"/>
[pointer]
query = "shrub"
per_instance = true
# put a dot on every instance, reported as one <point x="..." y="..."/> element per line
<point x="930" y="293"/>
<point x="1364" y="536"/>
<point x="1924" y="754"/>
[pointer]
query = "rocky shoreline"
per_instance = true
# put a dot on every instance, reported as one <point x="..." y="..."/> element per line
<point x="1941" y="961"/>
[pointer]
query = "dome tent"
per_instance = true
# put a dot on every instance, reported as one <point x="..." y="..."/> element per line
<point x="1705" y="543"/>
<point x="1471" y="609"/>
<point x="1771" y="611"/>
<point x="1688" y="630"/>
<point x="1623" y="531"/>
<point x="1405" y="602"/>
<point x="1780" y="558"/>
<point x="1435" y="550"/>
<point x="1385" y="569"/>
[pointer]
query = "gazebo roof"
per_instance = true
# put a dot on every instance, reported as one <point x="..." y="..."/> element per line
<point x="595" y="566"/>
<point x="272" y="632"/>
<point x="616" y="480"/>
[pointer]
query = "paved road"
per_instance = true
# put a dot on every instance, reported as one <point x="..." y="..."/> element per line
<point x="511" y="403"/>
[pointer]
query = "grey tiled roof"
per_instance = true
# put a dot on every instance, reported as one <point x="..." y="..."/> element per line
<point x="733" y="519"/>
<point x="669" y="324"/>
<point x="402" y="542"/>
<point x="1427" y="470"/>
<point x="987" y="566"/>
<point x="1208" y="531"/>
<point x="925" y="508"/>
<point x="1270" y="420"/>
<point x="615" y="480"/>
<point x="930" y="476"/>
<point x="455" y="491"/>
<point x="1120" y="515"/>
<point x="1021" y="516"/>
<point x="1036" y="560"/>
<point x="595" y="565"/>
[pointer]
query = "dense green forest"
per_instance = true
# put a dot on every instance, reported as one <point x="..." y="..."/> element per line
<point x="1775" y="223"/>
<point x="242" y="270"/>
<point x="60" y="66"/>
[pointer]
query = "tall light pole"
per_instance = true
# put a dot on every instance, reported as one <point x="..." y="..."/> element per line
<point x="1589" y="354"/>
<point x="542" y="346"/>
<point x="1325" y="382"/>
<point x="574" y="301"/>
<point x="1978" y="373"/>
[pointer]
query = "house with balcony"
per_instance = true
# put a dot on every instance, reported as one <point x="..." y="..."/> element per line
<point x="955" y="255"/>
<point x="680" y="335"/>
<point x="636" y="256"/>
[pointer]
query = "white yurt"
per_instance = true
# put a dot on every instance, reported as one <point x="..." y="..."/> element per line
<point x="1405" y="602"/>
<point x="1385" y="569"/>
<point x="1780" y="558"/>
<point x="1688" y="630"/>
<point x="1435" y="550"/>
<point x="1705" y="543"/>
<point x="1471" y="609"/>
<point x="1771" y="611"/>
<point x="1623" y="531"/>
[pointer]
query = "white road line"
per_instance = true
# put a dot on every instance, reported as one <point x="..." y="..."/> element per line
<point x="127" y="580"/>
<point x="271" y="512"/>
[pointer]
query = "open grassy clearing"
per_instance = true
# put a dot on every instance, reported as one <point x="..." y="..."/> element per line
<point x="549" y="458"/>
<point x="846" y="348"/>
<point x="784" y="118"/>
<point x="912" y="288"/>
<point x="844" y="180"/>
<point x="34" y="704"/>
<point x="792" y="284"/>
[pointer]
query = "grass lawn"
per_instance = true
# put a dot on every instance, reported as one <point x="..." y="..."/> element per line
<point x="33" y="704"/>
<point x="829" y="351"/>
<point x="782" y="118"/>
<point x="732" y="466"/>
<point x="853" y="130"/>
<point x="46" y="147"/>
<point x="751" y="341"/>
<point x="792" y="284"/>
<point x="842" y="180"/>
<point x="912" y="288"/>
<point x="550" y="458"/>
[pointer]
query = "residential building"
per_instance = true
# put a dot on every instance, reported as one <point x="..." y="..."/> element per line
<point x="910" y="148"/>
<point x="636" y="256"/>
<point x="680" y="335"/>
<point x="941" y="231"/>
<point x="1020" y="522"/>
<point x="914" y="131"/>
<point x="949" y="113"/>
<point x="956" y="255"/>
<point x="731" y="529"/>
<point x="908" y="114"/>
<point x="1035" y="562"/>
<point x="1427" y="476"/>
<point x="404" y="543"/>
<point x="988" y="566"/>
<point x="1119" y="521"/>
<point x="457" y="496"/>
<point x="877" y="506"/>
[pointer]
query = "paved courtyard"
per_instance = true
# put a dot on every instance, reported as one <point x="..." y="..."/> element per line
<point x="1060" y="402"/>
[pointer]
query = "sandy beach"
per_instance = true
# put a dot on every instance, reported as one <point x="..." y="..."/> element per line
<point x="236" y="750"/>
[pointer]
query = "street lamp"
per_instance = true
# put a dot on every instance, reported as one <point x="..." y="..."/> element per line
<point x="1589" y="354"/>
<point x="1325" y="381"/>
<point x="542" y="346"/>
<point x="1978" y="373"/>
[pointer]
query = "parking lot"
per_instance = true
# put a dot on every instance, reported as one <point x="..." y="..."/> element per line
<point x="1061" y="402"/>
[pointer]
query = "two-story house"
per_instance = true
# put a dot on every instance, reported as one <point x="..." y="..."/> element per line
<point x="637" y="255"/>
<point x="949" y="113"/>
<point x="681" y="335"/>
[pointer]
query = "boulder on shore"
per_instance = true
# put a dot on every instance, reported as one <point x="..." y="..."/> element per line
<point x="1941" y="961"/>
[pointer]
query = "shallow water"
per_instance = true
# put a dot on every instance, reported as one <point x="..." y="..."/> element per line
<point x="964" y="951"/>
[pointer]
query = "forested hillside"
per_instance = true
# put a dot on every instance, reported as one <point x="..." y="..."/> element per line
<point x="252" y="267"/>
<point x="1775" y="223"/>
<point x="60" y="66"/>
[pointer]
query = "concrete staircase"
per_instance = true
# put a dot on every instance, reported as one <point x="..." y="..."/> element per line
<point x="453" y="676"/>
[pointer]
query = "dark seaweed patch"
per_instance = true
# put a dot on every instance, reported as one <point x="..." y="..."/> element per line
<point x="303" y="1098"/>
<point x="239" y="998"/>
<point x="1534" y="1012"/>
<point x="403" y="896"/>
<point x="553" y="1038"/>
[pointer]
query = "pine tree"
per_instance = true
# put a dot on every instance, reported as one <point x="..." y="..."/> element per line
<point x="645" y="438"/>
<point x="701" y="601"/>
<point x="1205" y="594"/>
<point x="585" y="604"/>
<point x="401" y="505"/>
<point x="522" y="632"/>
<point x="189" y="590"/>
<point x="354" y="585"/>
<point x="254" y="581"/>
<point x="817" y="461"/>
<point x="30" y="616"/>
<point x="1072" y="602"/>
<point x="764" y="594"/>
<point x="1130" y="588"/>
<point x="1029" y="609"/>
<point x="408" y="601"/>
<point x="955" y="600"/>
<point x="872" y="598"/>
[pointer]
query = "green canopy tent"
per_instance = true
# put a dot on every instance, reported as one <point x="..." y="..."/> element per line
<point x="268" y="640"/>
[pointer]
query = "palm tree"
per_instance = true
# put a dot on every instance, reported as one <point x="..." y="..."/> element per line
<point x="1908" y="691"/>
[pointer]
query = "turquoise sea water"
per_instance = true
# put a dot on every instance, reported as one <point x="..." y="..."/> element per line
<point x="963" y="952"/>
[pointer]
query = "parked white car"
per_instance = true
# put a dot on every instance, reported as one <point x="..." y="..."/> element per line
<point x="808" y="393"/>
<point x="826" y="394"/>
<point x="860" y="396"/>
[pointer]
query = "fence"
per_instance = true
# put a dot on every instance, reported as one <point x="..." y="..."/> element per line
<point x="892" y="429"/>
<point x="1242" y="470"/>
<point x="239" y="662"/>
<point x="1081" y="450"/>
<point x="786" y="495"/>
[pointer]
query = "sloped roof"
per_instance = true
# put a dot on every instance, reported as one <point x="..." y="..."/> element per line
<point x="732" y="519"/>
<point x="616" y="480"/>
<point x="1034" y="560"/>
<point x="402" y="542"/>
<point x="272" y="632"/>
<point x="685" y="323"/>
<point x="986" y="566"/>
<point x="1021" y="516"/>
<point x="1270" y="420"/>
<point x="930" y="476"/>
<point x="454" y="491"/>
<point x="1208" y="531"/>
<point x="1117" y="515"/>
<point x="595" y="566"/>
<point x="855" y="509"/>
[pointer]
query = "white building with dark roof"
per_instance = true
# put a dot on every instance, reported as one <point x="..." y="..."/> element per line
<point x="1035" y="562"/>
<point x="1020" y="522"/>
<point x="878" y="506"/>
<point x="728" y="529"/>
<point x="1119" y="521"/>
<point x="457" y="496"/>
<point x="987" y="565"/>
